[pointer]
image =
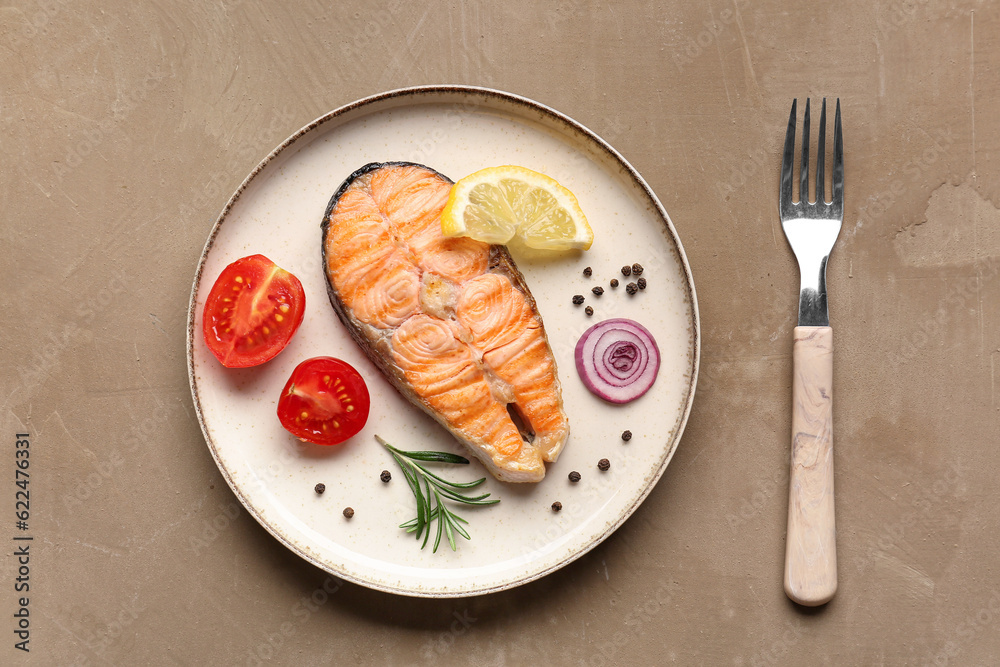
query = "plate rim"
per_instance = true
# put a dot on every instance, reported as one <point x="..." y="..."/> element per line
<point x="416" y="92"/>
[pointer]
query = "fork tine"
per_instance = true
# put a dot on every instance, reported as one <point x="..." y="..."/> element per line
<point x="838" y="162"/>
<point x="821" y="158"/>
<point x="804" y="174"/>
<point x="785" y="189"/>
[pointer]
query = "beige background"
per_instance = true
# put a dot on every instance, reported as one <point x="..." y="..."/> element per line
<point x="124" y="130"/>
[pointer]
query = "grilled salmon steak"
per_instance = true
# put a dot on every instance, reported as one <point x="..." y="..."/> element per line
<point x="449" y="321"/>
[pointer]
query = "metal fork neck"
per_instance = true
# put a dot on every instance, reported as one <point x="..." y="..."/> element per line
<point x="813" y="310"/>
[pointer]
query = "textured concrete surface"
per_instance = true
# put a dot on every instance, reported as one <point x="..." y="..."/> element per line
<point x="124" y="127"/>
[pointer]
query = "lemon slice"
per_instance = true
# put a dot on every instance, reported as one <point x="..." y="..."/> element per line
<point x="496" y="204"/>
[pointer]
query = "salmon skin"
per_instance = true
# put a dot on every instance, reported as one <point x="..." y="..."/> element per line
<point x="449" y="321"/>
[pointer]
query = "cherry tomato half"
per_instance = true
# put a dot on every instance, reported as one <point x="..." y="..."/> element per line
<point x="252" y="312"/>
<point x="325" y="401"/>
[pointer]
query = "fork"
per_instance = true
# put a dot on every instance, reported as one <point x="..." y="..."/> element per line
<point x="811" y="230"/>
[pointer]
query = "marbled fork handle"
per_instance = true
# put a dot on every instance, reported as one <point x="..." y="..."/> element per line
<point x="810" y="549"/>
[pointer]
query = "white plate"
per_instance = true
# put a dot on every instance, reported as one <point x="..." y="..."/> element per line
<point x="277" y="212"/>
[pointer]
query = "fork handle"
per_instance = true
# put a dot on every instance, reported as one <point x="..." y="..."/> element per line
<point x="810" y="546"/>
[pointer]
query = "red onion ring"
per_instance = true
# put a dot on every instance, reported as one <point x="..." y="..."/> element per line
<point x="617" y="360"/>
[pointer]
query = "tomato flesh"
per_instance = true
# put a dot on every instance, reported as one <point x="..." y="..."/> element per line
<point x="325" y="401"/>
<point x="252" y="312"/>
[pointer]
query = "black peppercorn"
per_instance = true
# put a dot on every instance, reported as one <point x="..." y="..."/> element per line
<point x="637" y="269"/>
<point x="626" y="270"/>
<point x="577" y="299"/>
<point x="574" y="477"/>
<point x="348" y="512"/>
<point x="556" y="506"/>
<point x="385" y="476"/>
<point x="588" y="272"/>
<point x="320" y="488"/>
<point x="626" y="435"/>
<point x="598" y="290"/>
<point x="589" y="311"/>
<point x="614" y="282"/>
<point x="641" y="283"/>
<point x="603" y="465"/>
<point x="631" y="288"/>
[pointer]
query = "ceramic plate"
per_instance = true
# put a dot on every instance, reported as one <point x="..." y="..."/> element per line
<point x="277" y="212"/>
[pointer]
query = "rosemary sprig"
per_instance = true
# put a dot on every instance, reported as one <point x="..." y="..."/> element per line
<point x="431" y="491"/>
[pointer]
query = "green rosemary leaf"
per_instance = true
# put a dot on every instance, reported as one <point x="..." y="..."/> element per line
<point x="470" y="485"/>
<point x="437" y="457"/>
<point x="414" y="484"/>
<point x="427" y="510"/>
<point x="456" y="485"/>
<point x="458" y="529"/>
<point x="442" y="519"/>
<point x="466" y="500"/>
<point x="450" y="533"/>
<point x="410" y="479"/>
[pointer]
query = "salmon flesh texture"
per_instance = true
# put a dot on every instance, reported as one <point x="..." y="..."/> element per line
<point x="449" y="321"/>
